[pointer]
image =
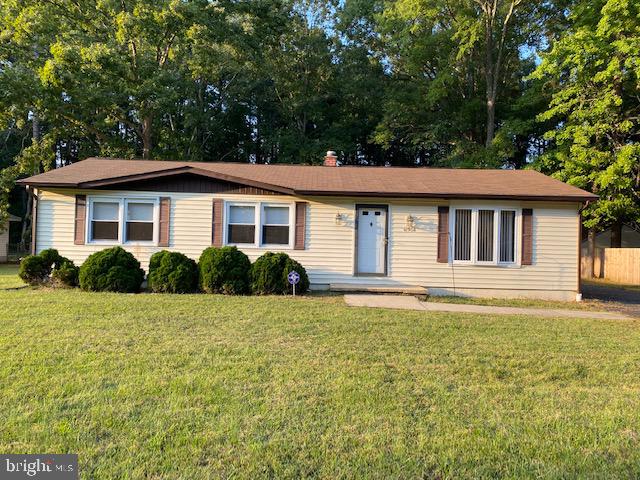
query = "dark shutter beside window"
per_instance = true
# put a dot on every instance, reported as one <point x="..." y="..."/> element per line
<point x="80" y="219"/>
<point x="301" y="225"/>
<point x="165" y="213"/>
<point x="216" y="224"/>
<point x="443" y="234"/>
<point x="527" y="236"/>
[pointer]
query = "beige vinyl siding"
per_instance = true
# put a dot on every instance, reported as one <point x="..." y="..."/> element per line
<point x="329" y="257"/>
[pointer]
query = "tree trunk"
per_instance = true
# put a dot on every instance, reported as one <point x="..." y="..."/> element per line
<point x="147" y="144"/>
<point x="491" y="120"/>
<point x="489" y="79"/>
<point x="25" y="234"/>
<point x="591" y="252"/>
<point x="616" y="235"/>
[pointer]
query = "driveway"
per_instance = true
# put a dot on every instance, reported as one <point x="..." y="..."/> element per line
<point x="619" y="299"/>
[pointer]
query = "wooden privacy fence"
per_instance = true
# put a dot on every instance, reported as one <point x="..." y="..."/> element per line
<point x="620" y="265"/>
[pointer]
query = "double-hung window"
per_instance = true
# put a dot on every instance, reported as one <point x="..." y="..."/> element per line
<point x="139" y="221"/>
<point x="484" y="236"/>
<point x="259" y="224"/>
<point x="275" y="225"/>
<point x="122" y="220"/>
<point x="241" y="226"/>
<point x="105" y="221"/>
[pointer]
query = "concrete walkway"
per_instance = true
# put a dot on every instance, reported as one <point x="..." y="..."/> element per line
<point x="412" y="303"/>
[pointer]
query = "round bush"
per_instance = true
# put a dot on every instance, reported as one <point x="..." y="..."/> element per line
<point x="224" y="270"/>
<point x="34" y="270"/>
<point x="66" y="275"/>
<point x="111" y="270"/>
<point x="172" y="272"/>
<point x="269" y="275"/>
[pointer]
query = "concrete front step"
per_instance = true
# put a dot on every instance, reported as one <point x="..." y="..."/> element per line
<point x="376" y="288"/>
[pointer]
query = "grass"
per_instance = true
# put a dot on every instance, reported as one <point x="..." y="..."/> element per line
<point x="522" y="302"/>
<point x="609" y="283"/>
<point x="205" y="386"/>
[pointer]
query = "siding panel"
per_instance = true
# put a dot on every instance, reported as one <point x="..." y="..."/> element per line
<point x="328" y="254"/>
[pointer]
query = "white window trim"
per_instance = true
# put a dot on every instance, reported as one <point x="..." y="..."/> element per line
<point x="258" y="216"/>
<point x="122" y="209"/>
<point x="291" y="225"/>
<point x="517" y="238"/>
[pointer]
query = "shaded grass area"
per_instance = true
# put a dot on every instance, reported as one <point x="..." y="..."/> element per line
<point x="609" y="283"/>
<point x="205" y="386"/>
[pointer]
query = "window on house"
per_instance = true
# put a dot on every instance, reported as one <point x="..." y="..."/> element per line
<point x="507" y="236"/>
<point x="139" y="221"/>
<point x="484" y="236"/>
<point x="241" y="226"/>
<point x="105" y="220"/>
<point x="462" y="235"/>
<point x="275" y="225"/>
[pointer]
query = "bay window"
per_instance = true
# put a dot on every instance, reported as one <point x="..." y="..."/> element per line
<point x="484" y="236"/>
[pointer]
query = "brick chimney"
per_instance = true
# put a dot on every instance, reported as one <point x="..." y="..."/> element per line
<point x="331" y="160"/>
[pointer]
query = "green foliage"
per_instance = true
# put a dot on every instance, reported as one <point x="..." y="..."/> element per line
<point x="172" y="272"/>
<point x="66" y="275"/>
<point x="111" y="270"/>
<point x="37" y="269"/>
<point x="34" y="270"/>
<point x="224" y="270"/>
<point x="593" y="72"/>
<point x="269" y="275"/>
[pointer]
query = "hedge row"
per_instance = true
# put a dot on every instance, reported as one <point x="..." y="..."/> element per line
<point x="219" y="270"/>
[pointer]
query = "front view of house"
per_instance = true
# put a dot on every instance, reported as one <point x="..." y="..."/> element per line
<point x="493" y="233"/>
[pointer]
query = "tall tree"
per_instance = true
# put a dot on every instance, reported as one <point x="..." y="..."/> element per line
<point x="593" y="73"/>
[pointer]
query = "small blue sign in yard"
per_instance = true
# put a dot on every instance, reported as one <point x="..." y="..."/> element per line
<point x="294" y="278"/>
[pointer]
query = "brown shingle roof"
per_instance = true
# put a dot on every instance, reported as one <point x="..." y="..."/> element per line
<point x="320" y="180"/>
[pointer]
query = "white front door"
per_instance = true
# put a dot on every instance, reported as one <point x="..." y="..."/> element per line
<point x="371" y="240"/>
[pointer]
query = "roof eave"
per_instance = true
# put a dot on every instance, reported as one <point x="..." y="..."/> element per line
<point x="545" y="198"/>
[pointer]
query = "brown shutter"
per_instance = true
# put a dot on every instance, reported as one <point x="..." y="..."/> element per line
<point x="443" y="234"/>
<point x="80" y="220"/>
<point x="527" y="236"/>
<point x="301" y="223"/>
<point x="217" y="223"/>
<point x="165" y="213"/>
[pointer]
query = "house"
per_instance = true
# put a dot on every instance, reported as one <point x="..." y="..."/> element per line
<point x="4" y="238"/>
<point x="491" y="233"/>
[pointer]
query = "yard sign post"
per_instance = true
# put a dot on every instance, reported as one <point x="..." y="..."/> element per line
<point x="294" y="278"/>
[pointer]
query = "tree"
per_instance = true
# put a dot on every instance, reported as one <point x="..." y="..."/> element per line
<point x="593" y="74"/>
<point x="453" y="62"/>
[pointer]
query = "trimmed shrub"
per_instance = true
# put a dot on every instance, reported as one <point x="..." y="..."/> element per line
<point x="172" y="272"/>
<point x="37" y="269"/>
<point x="34" y="270"/>
<point x="66" y="275"/>
<point x="52" y="257"/>
<point x="269" y="275"/>
<point x="111" y="270"/>
<point x="224" y="270"/>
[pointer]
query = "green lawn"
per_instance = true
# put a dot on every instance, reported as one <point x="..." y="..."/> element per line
<point x="204" y="386"/>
